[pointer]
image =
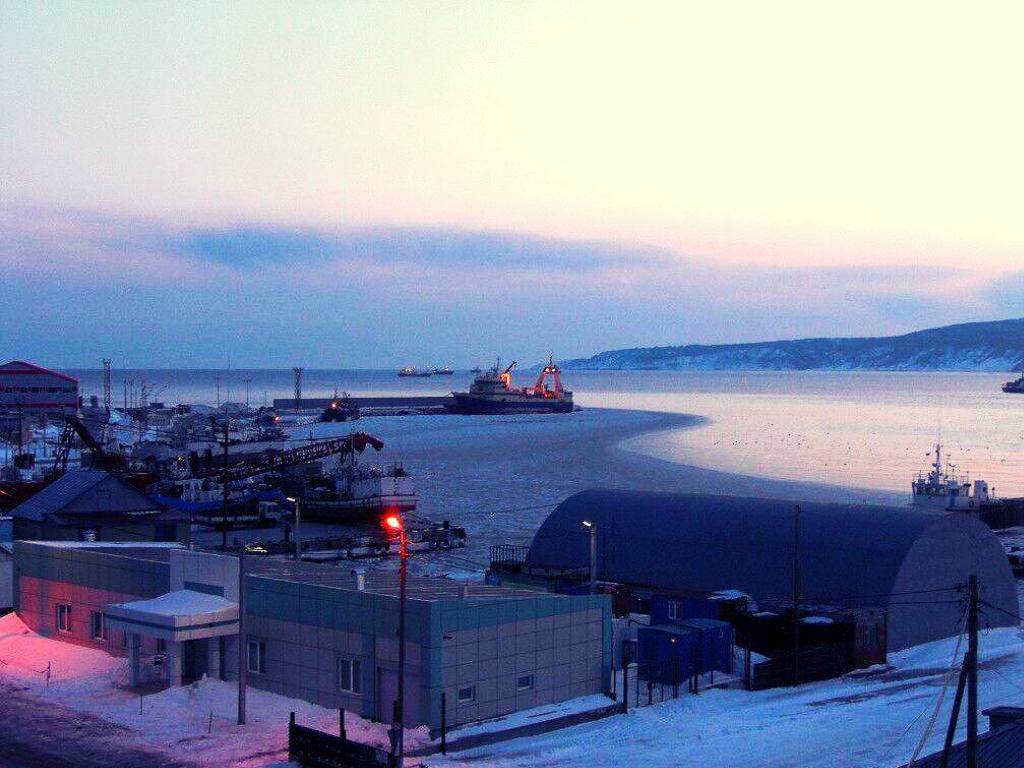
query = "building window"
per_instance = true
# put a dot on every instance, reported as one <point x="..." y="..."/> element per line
<point x="64" y="618"/>
<point x="525" y="683"/>
<point x="258" y="657"/>
<point x="124" y="641"/>
<point x="348" y="675"/>
<point x="675" y="610"/>
<point x="161" y="645"/>
<point x="642" y="605"/>
<point x="467" y="695"/>
<point x="98" y="624"/>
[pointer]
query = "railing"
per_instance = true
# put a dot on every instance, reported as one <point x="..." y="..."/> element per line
<point x="508" y="554"/>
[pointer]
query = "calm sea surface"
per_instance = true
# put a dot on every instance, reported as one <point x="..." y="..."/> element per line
<point x="870" y="430"/>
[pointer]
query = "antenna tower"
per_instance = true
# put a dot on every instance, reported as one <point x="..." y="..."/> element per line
<point x="298" y="387"/>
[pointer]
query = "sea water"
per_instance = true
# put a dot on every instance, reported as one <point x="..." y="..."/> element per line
<point x="856" y="429"/>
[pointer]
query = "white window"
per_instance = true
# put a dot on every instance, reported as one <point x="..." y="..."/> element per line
<point x="258" y="657"/>
<point x="98" y="622"/>
<point x="525" y="683"/>
<point x="675" y="610"/>
<point x="467" y="695"/>
<point x="348" y="675"/>
<point x="64" y="618"/>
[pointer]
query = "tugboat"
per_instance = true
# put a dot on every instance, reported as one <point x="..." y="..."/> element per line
<point x="1016" y="386"/>
<point x="409" y="371"/>
<point x="360" y="493"/>
<point x="942" y="489"/>
<point x="492" y="392"/>
<point x="342" y="408"/>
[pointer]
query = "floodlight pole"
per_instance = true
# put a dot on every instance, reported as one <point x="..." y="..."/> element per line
<point x="593" y="558"/>
<point x="400" y="736"/>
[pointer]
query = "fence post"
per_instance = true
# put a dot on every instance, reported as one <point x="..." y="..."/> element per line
<point x="625" y="689"/>
<point x="637" y="686"/>
<point x="650" y="685"/>
<point x="661" y="674"/>
<point x="341" y="724"/>
<point x="291" y="730"/>
<point x="675" y="678"/>
<point x="444" y="725"/>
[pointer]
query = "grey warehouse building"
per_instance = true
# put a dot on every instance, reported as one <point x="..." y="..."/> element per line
<point x="317" y="632"/>
<point x="885" y="557"/>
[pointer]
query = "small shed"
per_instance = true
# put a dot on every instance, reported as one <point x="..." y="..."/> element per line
<point x="671" y="652"/>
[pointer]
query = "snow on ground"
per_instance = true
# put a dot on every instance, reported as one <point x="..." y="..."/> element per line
<point x="868" y="719"/>
<point x="871" y="719"/>
<point x="177" y="721"/>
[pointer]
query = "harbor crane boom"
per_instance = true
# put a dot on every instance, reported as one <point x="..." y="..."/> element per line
<point x="270" y="461"/>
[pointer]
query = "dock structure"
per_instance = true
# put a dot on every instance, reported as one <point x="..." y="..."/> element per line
<point x="319" y="403"/>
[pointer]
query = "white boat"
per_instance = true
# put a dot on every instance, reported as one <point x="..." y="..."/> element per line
<point x="356" y="492"/>
<point x="941" y="489"/>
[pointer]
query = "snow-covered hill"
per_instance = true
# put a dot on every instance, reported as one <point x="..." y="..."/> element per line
<point x="990" y="346"/>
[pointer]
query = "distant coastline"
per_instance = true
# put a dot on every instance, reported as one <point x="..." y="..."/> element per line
<point x="996" y="346"/>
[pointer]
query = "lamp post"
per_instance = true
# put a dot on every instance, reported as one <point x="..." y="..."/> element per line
<point x="394" y="522"/>
<point x="298" y="521"/>
<point x="593" y="555"/>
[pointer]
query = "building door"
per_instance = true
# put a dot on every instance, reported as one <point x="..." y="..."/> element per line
<point x="194" y="660"/>
<point x="387" y="695"/>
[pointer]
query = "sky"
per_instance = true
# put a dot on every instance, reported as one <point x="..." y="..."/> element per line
<point x="404" y="183"/>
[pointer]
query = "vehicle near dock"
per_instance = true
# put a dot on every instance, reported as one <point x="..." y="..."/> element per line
<point x="492" y="392"/>
<point x="409" y="371"/>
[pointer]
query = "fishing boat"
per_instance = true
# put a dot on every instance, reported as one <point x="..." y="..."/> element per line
<point x="446" y="371"/>
<point x="941" y="489"/>
<point x="409" y="371"/>
<point x="492" y="392"/>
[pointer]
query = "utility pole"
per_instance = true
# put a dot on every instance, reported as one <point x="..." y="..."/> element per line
<point x="224" y="479"/>
<point x="243" y="644"/>
<point x="972" y="675"/>
<point x="106" y="384"/>
<point x="400" y="742"/>
<point x="593" y="555"/>
<point x="796" y="597"/>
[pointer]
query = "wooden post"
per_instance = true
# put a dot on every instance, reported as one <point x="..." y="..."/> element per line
<point x="341" y="724"/>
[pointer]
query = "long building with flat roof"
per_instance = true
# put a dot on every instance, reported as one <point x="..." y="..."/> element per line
<point x="318" y="632"/>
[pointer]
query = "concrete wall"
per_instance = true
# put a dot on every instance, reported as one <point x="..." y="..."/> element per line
<point x="115" y="532"/>
<point x="563" y="641"/>
<point x="87" y="581"/>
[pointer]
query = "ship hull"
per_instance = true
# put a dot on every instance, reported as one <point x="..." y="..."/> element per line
<point x="477" y="405"/>
<point x="369" y="508"/>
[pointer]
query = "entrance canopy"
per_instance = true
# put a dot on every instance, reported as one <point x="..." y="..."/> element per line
<point x="176" y="616"/>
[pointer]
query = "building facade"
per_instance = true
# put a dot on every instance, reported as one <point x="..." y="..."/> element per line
<point x="319" y="633"/>
<point x="36" y="391"/>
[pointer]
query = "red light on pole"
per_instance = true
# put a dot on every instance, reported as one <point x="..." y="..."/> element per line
<point x="394" y="522"/>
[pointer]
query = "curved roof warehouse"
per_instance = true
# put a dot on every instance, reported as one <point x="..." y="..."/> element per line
<point x="887" y="557"/>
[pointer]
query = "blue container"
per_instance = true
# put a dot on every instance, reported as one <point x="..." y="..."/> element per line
<point x="708" y="643"/>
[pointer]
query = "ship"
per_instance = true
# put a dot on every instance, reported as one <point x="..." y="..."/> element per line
<point x="357" y="492"/>
<point x="408" y="371"/>
<point x="1015" y="386"/>
<point x="941" y="489"/>
<point x="492" y="392"/>
<point x="446" y="371"/>
<point x="342" y="408"/>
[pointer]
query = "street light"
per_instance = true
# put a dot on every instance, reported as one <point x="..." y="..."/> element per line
<point x="298" y="520"/>
<point x="394" y="522"/>
<point x="593" y="555"/>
